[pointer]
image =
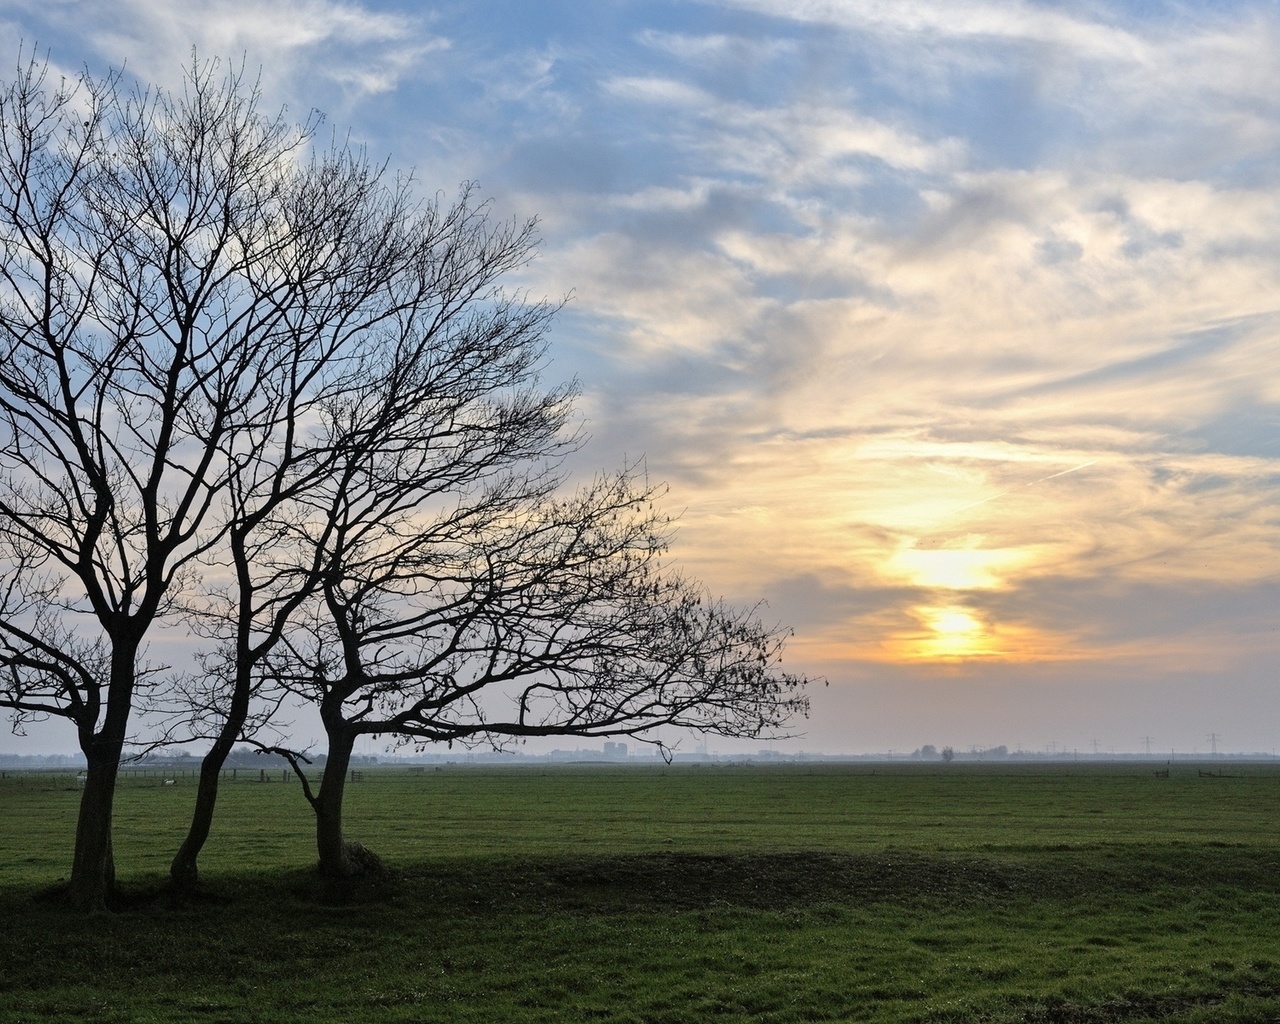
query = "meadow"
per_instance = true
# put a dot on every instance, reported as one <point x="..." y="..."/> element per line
<point x="789" y="892"/>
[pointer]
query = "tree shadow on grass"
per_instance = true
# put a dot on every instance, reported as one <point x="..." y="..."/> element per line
<point x="496" y="918"/>
<point x="667" y="882"/>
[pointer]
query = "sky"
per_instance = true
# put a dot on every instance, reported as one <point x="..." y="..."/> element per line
<point x="953" y="326"/>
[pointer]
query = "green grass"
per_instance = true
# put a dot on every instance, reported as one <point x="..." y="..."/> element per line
<point x="779" y="893"/>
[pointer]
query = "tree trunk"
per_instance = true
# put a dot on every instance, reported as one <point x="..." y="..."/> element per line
<point x="184" y="872"/>
<point x="339" y="859"/>
<point x="329" y="841"/>
<point x="93" y="872"/>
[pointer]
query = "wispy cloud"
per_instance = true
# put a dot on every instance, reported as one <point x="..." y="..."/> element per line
<point x="354" y="46"/>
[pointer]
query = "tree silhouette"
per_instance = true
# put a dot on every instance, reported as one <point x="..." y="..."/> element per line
<point x="269" y="392"/>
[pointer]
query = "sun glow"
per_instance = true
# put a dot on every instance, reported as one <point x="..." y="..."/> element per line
<point x="952" y="633"/>
<point x="966" y="568"/>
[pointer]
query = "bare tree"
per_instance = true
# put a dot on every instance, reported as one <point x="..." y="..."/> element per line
<point x="462" y="599"/>
<point x="152" y="291"/>
<point x="408" y="307"/>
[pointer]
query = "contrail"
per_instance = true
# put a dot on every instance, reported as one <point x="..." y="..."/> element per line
<point x="1063" y="472"/>
<point x="1029" y="483"/>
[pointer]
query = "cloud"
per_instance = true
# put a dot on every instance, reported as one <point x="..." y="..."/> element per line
<point x="1179" y="88"/>
<point x="965" y="20"/>
<point x="359" y="49"/>
<point x="948" y="412"/>
<point x="803" y="143"/>
<point x="946" y="405"/>
<point x="744" y="51"/>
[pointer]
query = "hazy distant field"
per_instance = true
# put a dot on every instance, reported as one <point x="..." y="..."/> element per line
<point x="762" y="893"/>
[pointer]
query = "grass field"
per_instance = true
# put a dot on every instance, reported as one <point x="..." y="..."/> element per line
<point x="813" y="892"/>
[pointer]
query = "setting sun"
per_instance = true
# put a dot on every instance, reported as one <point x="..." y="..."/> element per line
<point x="952" y="633"/>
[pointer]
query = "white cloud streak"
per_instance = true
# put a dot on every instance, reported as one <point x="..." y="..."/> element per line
<point x="357" y="48"/>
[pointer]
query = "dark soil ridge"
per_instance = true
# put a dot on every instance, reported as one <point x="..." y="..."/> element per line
<point x="663" y="882"/>
<point x="790" y="881"/>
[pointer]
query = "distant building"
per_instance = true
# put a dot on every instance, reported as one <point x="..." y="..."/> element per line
<point x="615" y="751"/>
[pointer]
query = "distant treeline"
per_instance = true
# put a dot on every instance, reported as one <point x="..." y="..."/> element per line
<point x="246" y="757"/>
<point x="240" y="757"/>
<point x="68" y="761"/>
